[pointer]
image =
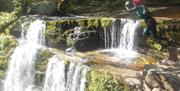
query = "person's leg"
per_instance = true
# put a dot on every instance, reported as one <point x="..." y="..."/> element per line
<point x="153" y="33"/>
<point x="151" y="26"/>
<point x="146" y="31"/>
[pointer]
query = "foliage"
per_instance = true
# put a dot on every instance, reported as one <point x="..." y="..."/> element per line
<point x="7" y="45"/>
<point x="102" y="81"/>
<point x="5" y="18"/>
<point x="6" y="6"/>
<point x="88" y="6"/>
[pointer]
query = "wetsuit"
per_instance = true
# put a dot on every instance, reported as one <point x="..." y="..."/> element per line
<point x="143" y="13"/>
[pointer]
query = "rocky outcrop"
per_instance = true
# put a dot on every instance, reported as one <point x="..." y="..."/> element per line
<point x="162" y="77"/>
<point x="60" y="33"/>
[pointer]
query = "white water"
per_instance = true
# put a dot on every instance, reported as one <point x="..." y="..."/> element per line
<point x="20" y="75"/>
<point x="60" y="78"/>
<point x="55" y="77"/>
<point x="127" y="34"/>
<point x="76" y="77"/>
<point x="120" y="38"/>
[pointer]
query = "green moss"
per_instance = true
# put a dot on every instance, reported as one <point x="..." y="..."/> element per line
<point x="105" y="22"/>
<point x="41" y="65"/>
<point x="42" y="60"/>
<point x="83" y="22"/>
<point x="103" y="81"/>
<point x="153" y="44"/>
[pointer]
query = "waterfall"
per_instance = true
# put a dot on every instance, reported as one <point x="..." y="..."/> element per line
<point x="55" y="77"/>
<point x="76" y="77"/>
<point x="120" y="34"/>
<point x="112" y="34"/>
<point x="119" y="38"/>
<point x="127" y="34"/>
<point x="64" y="77"/>
<point x="20" y="75"/>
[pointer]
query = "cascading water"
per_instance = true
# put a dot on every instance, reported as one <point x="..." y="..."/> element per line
<point x="55" y="77"/>
<point x="112" y="34"/>
<point x="120" y="34"/>
<point x="76" y="77"/>
<point x="60" y="76"/>
<point x="21" y="70"/>
<point x="127" y="34"/>
<point x="64" y="77"/>
<point x="120" y="37"/>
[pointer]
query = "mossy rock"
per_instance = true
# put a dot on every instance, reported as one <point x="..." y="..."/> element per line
<point x="58" y="32"/>
<point x="41" y="64"/>
<point x="70" y="23"/>
<point x="103" y="81"/>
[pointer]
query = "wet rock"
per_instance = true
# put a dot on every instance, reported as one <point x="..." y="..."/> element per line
<point x="162" y="77"/>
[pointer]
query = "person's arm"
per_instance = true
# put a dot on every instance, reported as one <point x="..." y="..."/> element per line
<point x="128" y="5"/>
<point x="130" y="10"/>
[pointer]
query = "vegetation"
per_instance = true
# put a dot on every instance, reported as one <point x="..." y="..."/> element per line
<point x="7" y="45"/>
<point x="103" y="81"/>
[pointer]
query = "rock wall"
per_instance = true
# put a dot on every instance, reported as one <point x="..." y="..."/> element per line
<point x="59" y="33"/>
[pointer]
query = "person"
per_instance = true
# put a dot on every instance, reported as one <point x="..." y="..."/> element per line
<point x="143" y="13"/>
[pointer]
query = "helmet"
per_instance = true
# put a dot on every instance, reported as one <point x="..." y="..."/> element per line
<point x="137" y="2"/>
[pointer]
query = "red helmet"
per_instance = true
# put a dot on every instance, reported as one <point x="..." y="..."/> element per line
<point x="137" y="2"/>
